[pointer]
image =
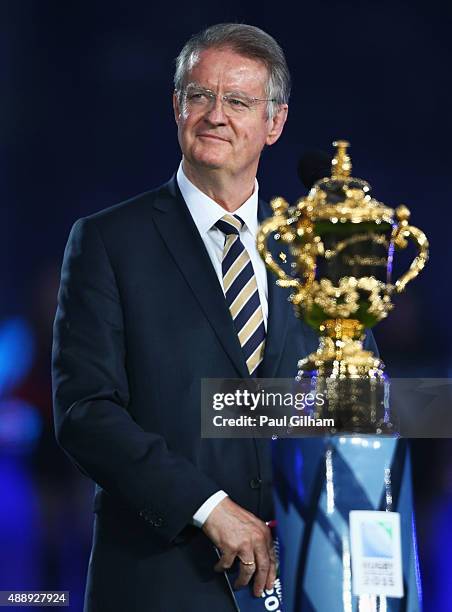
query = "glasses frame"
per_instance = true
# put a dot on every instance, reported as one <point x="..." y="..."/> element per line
<point x="225" y="98"/>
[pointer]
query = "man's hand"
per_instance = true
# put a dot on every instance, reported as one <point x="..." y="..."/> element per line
<point x="238" y="533"/>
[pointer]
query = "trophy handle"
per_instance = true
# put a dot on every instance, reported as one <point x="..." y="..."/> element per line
<point x="399" y="236"/>
<point x="279" y="223"/>
<point x="266" y="228"/>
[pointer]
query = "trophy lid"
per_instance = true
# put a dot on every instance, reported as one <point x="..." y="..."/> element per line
<point x="343" y="198"/>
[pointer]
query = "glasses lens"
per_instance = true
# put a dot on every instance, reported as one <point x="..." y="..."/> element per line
<point x="197" y="97"/>
<point x="238" y="104"/>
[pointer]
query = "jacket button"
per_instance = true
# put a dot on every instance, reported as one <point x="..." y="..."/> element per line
<point x="255" y="483"/>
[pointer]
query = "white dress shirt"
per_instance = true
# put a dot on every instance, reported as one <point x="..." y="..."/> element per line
<point x="205" y="213"/>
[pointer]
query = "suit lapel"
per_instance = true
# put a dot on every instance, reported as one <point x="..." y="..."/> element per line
<point x="179" y="232"/>
<point x="278" y="310"/>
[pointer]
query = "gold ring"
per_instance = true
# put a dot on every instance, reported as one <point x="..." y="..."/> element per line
<point x="247" y="562"/>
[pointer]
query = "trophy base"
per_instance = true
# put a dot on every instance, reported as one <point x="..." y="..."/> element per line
<point x="351" y="379"/>
<point x="357" y="405"/>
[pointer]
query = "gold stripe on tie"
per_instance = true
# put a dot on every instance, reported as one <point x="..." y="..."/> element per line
<point x="229" y="242"/>
<point x="235" y="270"/>
<point x="243" y="297"/>
<point x="255" y="358"/>
<point x="233" y="221"/>
<point x="250" y="326"/>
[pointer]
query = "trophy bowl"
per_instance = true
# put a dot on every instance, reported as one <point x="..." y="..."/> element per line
<point x="341" y="242"/>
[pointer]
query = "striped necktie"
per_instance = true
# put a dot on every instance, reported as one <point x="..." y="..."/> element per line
<point x="242" y="295"/>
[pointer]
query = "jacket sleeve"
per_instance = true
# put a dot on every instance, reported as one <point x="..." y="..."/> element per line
<point x="91" y="396"/>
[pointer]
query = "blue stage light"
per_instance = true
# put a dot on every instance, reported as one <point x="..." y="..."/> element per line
<point x="17" y="349"/>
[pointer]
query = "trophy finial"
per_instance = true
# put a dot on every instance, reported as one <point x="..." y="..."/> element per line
<point x="341" y="166"/>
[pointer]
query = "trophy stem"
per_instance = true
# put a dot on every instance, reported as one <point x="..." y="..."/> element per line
<point x="341" y="353"/>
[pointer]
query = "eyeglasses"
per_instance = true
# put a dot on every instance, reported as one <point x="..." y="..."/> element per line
<point x="198" y="98"/>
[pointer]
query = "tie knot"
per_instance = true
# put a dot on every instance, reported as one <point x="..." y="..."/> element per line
<point x="230" y="225"/>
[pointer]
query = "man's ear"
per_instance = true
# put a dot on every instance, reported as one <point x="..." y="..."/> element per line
<point x="277" y="124"/>
<point x="176" y="107"/>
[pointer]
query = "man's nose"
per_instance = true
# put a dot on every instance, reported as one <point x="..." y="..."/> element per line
<point x="216" y="114"/>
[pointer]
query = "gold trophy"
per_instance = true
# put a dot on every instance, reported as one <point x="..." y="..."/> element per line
<point x="341" y="242"/>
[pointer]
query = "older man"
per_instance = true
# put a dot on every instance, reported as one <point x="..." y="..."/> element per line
<point x="156" y="294"/>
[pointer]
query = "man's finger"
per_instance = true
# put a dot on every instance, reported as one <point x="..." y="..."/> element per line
<point x="247" y="567"/>
<point x="273" y="568"/>
<point x="271" y="575"/>
<point x="263" y="566"/>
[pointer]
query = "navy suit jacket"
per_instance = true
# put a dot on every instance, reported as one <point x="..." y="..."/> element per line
<point x="141" y="319"/>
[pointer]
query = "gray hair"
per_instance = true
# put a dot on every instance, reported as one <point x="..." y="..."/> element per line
<point x="246" y="40"/>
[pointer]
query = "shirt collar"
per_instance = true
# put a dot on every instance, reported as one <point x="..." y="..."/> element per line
<point x="206" y="212"/>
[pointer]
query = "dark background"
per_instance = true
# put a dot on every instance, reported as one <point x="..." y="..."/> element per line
<point x="86" y="121"/>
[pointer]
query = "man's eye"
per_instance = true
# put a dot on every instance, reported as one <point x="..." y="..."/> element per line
<point x="238" y="103"/>
<point x="198" y="95"/>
